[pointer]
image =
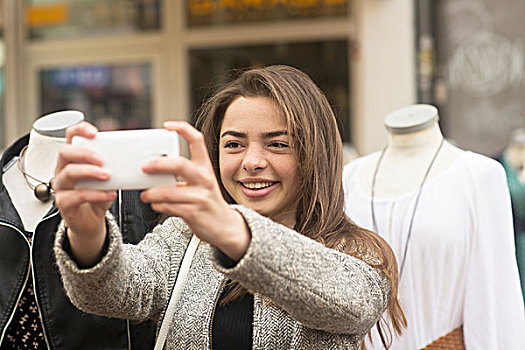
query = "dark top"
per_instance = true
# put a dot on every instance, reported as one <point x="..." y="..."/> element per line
<point x="232" y="326"/>
<point x="26" y="332"/>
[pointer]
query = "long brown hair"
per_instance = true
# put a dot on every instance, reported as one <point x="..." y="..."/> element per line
<point x="318" y="149"/>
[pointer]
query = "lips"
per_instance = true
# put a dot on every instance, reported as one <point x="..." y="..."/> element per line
<point x="257" y="189"/>
<point x="257" y="185"/>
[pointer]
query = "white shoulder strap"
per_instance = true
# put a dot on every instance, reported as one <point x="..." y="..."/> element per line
<point x="176" y="292"/>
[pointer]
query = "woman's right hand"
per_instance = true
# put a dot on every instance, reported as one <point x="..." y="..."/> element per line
<point x="83" y="210"/>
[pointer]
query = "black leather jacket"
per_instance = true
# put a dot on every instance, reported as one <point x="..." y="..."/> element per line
<point x="65" y="327"/>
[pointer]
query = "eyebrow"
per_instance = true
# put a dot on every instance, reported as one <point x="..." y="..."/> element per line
<point x="267" y="135"/>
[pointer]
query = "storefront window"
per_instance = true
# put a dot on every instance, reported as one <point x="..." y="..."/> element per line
<point x="111" y="97"/>
<point x="82" y="18"/>
<point x="326" y="62"/>
<point x="224" y="12"/>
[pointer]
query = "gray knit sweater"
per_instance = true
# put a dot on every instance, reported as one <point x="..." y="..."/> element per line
<point x="326" y="299"/>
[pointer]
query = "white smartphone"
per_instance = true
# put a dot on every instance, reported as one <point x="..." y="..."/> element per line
<point x="125" y="152"/>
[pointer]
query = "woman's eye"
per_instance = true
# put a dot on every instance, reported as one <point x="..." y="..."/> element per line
<point x="232" y="144"/>
<point x="279" y="144"/>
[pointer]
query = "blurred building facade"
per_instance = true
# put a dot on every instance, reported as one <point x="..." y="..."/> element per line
<point x="478" y="80"/>
<point x="136" y="63"/>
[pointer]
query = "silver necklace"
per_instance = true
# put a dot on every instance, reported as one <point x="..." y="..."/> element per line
<point x="420" y="189"/>
<point x="44" y="190"/>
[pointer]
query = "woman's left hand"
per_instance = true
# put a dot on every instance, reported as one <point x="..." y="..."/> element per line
<point x="198" y="201"/>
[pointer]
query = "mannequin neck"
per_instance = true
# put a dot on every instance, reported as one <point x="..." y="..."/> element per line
<point x="406" y="161"/>
<point x="416" y="141"/>
<point x="41" y="155"/>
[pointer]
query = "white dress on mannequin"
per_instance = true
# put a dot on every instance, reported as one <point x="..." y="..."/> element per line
<point x="460" y="267"/>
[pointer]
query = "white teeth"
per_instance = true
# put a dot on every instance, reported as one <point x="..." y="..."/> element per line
<point x="257" y="185"/>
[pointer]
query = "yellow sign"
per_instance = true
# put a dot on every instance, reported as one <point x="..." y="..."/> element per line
<point x="47" y="14"/>
<point x="208" y="7"/>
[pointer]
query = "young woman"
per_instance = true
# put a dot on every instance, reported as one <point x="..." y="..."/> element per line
<point x="279" y="265"/>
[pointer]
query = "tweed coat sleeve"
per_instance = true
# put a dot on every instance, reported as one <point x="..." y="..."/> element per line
<point x="131" y="281"/>
<point x="320" y="287"/>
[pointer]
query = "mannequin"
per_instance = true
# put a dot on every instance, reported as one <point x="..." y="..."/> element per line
<point x="413" y="137"/>
<point x="446" y="214"/>
<point x="45" y="140"/>
<point x="35" y="313"/>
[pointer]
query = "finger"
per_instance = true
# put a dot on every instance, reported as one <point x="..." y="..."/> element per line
<point x="179" y="210"/>
<point x="71" y="199"/>
<point x="182" y="167"/>
<point x="198" y="150"/>
<point x="73" y="154"/>
<point x="84" y="129"/>
<point x="72" y="173"/>
<point x="174" y="194"/>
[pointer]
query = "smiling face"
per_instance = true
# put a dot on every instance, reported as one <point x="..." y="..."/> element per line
<point x="257" y="165"/>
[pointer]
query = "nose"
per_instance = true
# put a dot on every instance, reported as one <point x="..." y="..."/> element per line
<point x="254" y="159"/>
